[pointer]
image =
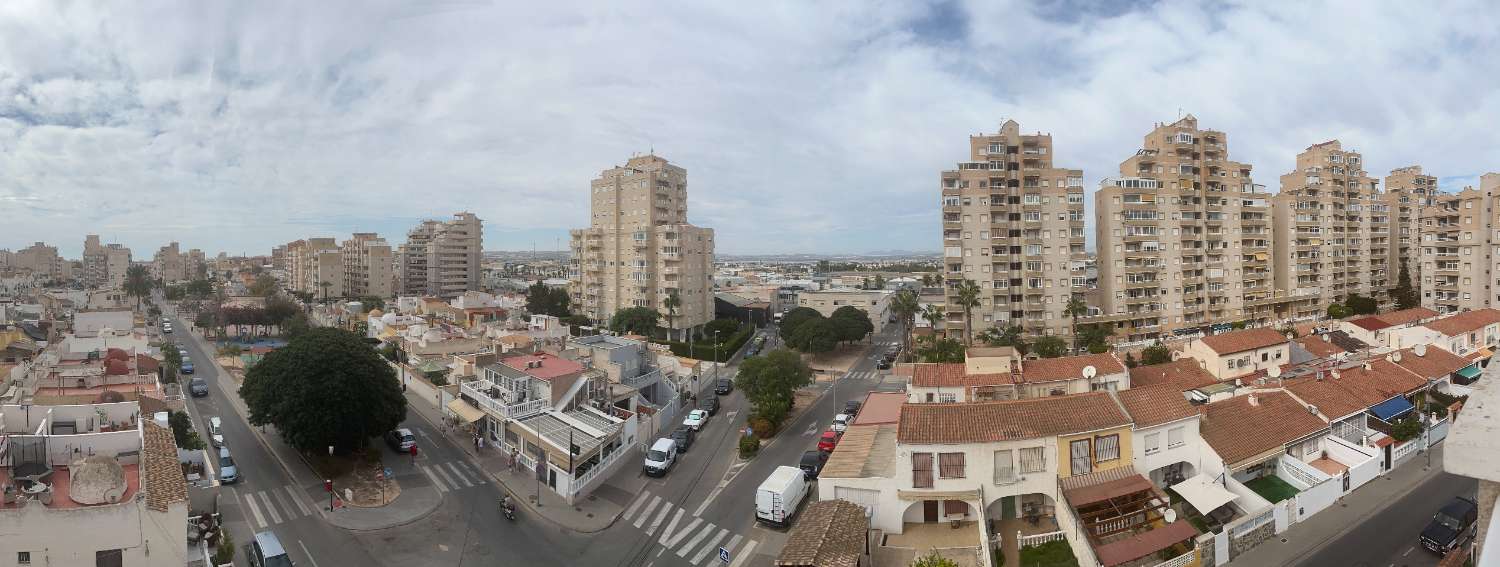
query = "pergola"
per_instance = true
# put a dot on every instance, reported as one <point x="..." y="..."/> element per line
<point x="1124" y="515"/>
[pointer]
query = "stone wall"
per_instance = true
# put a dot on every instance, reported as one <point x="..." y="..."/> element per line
<point x="1247" y="542"/>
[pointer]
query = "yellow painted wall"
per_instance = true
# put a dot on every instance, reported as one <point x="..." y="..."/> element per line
<point x="1065" y="462"/>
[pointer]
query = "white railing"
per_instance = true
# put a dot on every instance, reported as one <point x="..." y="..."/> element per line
<point x="1252" y="522"/>
<point x="1180" y="560"/>
<point x="1406" y="448"/>
<point x="498" y="408"/>
<point x="1006" y="475"/>
<point x="1301" y="472"/>
<point x="1038" y="539"/>
<point x="581" y="483"/>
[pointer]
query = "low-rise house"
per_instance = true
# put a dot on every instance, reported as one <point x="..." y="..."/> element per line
<point x="1164" y="433"/>
<point x="830" y="533"/>
<point x="875" y="302"/>
<point x="1266" y="433"/>
<point x="1239" y="353"/>
<point x="1473" y="334"/>
<point x="1381" y="329"/>
<point x="91" y="323"/>
<point x="1331" y="345"/>
<point x="994" y="374"/>
<point x="1180" y="375"/>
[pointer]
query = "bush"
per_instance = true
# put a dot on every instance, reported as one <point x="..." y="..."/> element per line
<point x="762" y="427"/>
<point x="749" y="446"/>
<point x="224" y="552"/>
<point x="705" y="350"/>
<point x="1051" y="554"/>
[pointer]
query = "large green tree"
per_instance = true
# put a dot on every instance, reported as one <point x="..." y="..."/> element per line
<point x="795" y="318"/>
<point x="905" y="306"/>
<point x="326" y="387"/>
<point x="543" y="300"/>
<point x="725" y="328"/>
<point x="1404" y="295"/>
<point x="1156" y="354"/>
<point x="199" y="289"/>
<point x="933" y="349"/>
<point x="817" y="335"/>
<point x="638" y="320"/>
<point x="769" y="382"/>
<point x="263" y="286"/>
<point x="137" y="283"/>
<point x="852" y="323"/>
<point x="1050" y="346"/>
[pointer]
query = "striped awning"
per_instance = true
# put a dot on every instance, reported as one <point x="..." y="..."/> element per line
<point x="468" y="413"/>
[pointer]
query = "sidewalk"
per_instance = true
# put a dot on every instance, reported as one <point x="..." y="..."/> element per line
<point x="594" y="513"/>
<point x="1304" y="538"/>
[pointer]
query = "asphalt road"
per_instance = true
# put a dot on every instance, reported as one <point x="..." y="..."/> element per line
<point x="1389" y="538"/>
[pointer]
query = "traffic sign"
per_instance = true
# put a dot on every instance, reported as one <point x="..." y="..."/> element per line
<point x="388" y="473"/>
<point x="724" y="554"/>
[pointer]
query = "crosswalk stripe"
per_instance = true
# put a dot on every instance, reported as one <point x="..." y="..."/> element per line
<point x="635" y="505"/>
<point x="667" y="531"/>
<point x="714" y="558"/>
<point x="291" y="511"/>
<point x="641" y="519"/>
<point x="432" y="477"/>
<point x="473" y="471"/>
<point x="665" y="509"/>
<point x="682" y="534"/>
<point x="459" y="474"/>
<point x="270" y="509"/>
<point x="297" y="500"/>
<point x="745" y="554"/>
<point x="693" y="543"/>
<point x="710" y="546"/>
<point x="438" y="469"/>
<point x="260" y="521"/>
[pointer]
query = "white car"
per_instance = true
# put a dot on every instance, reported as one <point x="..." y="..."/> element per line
<point x="216" y="431"/>
<point x="841" y="422"/>
<point x="696" y="419"/>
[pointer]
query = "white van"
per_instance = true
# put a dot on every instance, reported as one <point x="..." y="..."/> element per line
<point x="661" y="457"/>
<point x="216" y="431"/>
<point x="777" y="498"/>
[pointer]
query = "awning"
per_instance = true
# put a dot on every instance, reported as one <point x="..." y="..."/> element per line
<point x="1141" y="545"/>
<point x="1203" y="493"/>
<point x="1480" y="354"/>
<point x="1469" y="372"/>
<point x="470" y="414"/>
<point x="1390" y="409"/>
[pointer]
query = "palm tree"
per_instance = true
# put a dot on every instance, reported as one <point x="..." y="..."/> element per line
<point x="137" y="283"/>
<point x="905" y="306"/>
<point x="933" y="314"/>
<point x="1076" y="308"/>
<point x="966" y="295"/>
<point x="671" y="303"/>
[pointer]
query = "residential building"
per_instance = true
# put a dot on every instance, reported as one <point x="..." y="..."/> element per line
<point x="1473" y="334"/>
<point x="875" y="302"/>
<point x="1183" y="238"/>
<point x="1164" y="433"/>
<point x="39" y="259"/>
<point x="1240" y="353"/>
<point x="1333" y="230"/>
<point x="1473" y="450"/>
<point x="1407" y="191"/>
<point x="315" y="266"/>
<point x="1457" y="240"/>
<point x="442" y="258"/>
<point x="1013" y="224"/>
<point x="104" y="266"/>
<point x="1179" y="375"/>
<point x="1018" y="379"/>
<point x="829" y="533"/>
<point x="368" y="266"/>
<point x="1380" y="329"/>
<point x="639" y="249"/>
<point x="168" y="264"/>
<point x="194" y="265"/>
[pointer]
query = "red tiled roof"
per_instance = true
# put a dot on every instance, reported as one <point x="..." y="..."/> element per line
<point x="552" y="366"/>
<point x="1241" y="341"/>
<point x="1069" y="367"/>
<point x="1238" y="431"/>
<point x="983" y="422"/>
<point x="1319" y="346"/>
<point x="1435" y="363"/>
<point x="163" y="480"/>
<point x="1182" y="375"/>
<point x="1154" y="406"/>
<point x="952" y="374"/>
<point x="880" y="407"/>
<point x="1371" y="323"/>
<point x="145" y="364"/>
<point x="1146" y="543"/>
<point x="1406" y="316"/>
<point x="1464" y="322"/>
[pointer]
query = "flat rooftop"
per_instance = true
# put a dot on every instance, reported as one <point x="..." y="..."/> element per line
<point x="864" y="451"/>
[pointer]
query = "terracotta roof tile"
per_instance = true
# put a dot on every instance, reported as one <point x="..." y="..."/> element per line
<point x="984" y="422"/>
<point x="1434" y="363"/>
<point x="1241" y="341"/>
<point x="1370" y="323"/>
<point x="1355" y="388"/>
<point x="952" y="374"/>
<point x="1407" y="316"/>
<point x="1318" y="346"/>
<point x="1238" y="431"/>
<point x="1154" y="406"/>
<point x="830" y="533"/>
<point x="163" y="479"/>
<point x="1464" y="322"/>
<point x="1183" y="375"/>
<point x="1069" y="367"/>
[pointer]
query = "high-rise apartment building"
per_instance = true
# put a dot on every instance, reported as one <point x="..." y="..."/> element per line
<point x="639" y="249"/>
<point x="315" y="266"/>
<point x="1457" y="246"/>
<point x="1183" y="237"/>
<point x="39" y="259"/>
<point x="442" y="258"/>
<point x="1332" y="231"/>
<point x="168" y="265"/>
<point x="104" y="266"/>
<point x="1013" y="224"/>
<point x="1407" y="191"/>
<point x="368" y="266"/>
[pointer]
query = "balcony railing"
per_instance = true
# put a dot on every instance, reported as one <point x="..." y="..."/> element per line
<point x="480" y="391"/>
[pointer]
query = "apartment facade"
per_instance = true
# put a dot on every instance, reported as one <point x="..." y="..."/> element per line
<point x="1184" y="238"/>
<point x="104" y="266"/>
<point x="1333" y="231"/>
<point x="1407" y="191"/>
<point x="442" y="258"/>
<point x="1457" y="259"/>
<point x="1013" y="224"/>
<point x="313" y="262"/>
<point x="368" y="266"/>
<point x="168" y="264"/>
<point x="639" y="249"/>
<point x="40" y="259"/>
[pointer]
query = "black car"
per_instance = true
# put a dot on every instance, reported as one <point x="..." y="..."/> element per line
<point x="884" y="364"/>
<point x="709" y="404"/>
<point x="724" y="386"/>
<point x="1453" y="525"/>
<point x="851" y="407"/>
<point x="400" y="440"/>
<point x="812" y="464"/>
<point x="684" y="436"/>
<point x="198" y="387"/>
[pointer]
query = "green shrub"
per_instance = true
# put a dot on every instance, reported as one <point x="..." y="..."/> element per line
<point x="749" y="446"/>
<point x="224" y="552"/>
<point x="762" y="427"/>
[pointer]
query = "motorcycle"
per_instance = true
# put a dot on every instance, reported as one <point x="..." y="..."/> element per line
<point x="508" y="509"/>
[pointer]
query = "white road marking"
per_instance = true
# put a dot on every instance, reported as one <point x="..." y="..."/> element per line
<point x="1408" y="551"/>
<point x="472" y="471"/>
<point x="298" y="501"/>
<point x="745" y="553"/>
<point x="731" y="414"/>
<point x="641" y="519"/>
<point x="260" y="521"/>
<point x="672" y="524"/>
<point x="665" y="509"/>
<point x="438" y="469"/>
<point x="811" y="429"/>
<point x="307" y="553"/>
<point x="682" y="534"/>
<point x="693" y="543"/>
<point x="459" y="474"/>
<point x="270" y="509"/>
<point x="291" y="511"/>
<point x="638" y="501"/>
<point x="711" y="546"/>
<point x="714" y="558"/>
<point x="432" y="477"/>
<point x="706" y="501"/>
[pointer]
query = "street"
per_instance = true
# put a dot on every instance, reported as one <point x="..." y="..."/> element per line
<point x="1389" y="537"/>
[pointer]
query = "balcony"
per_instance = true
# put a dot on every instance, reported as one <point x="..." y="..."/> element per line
<point x="496" y="401"/>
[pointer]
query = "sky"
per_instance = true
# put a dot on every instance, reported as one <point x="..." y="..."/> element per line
<point x="805" y="127"/>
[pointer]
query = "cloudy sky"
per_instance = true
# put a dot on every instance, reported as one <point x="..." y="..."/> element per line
<point x="804" y="126"/>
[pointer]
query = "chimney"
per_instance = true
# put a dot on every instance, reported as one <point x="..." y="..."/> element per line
<point x="1253" y="402"/>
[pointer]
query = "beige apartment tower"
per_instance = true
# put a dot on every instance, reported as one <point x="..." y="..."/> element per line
<point x="1184" y="238"/>
<point x="1407" y="192"/>
<point x="368" y="266"/>
<point x="104" y="266"/>
<point x="639" y="249"/>
<point x="442" y="258"/>
<point x="1457" y="246"/>
<point x="168" y="265"/>
<point x="315" y="266"/>
<point x="1333" y="231"/>
<point x="1013" y="224"/>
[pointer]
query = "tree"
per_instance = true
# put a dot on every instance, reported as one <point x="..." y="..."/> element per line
<point x="926" y="280"/>
<point x="905" y="305"/>
<point x="1156" y="354"/>
<point x="224" y="552"/>
<point x="1407" y="429"/>
<point x="278" y="309"/>
<point x="934" y="315"/>
<point x="1403" y="294"/>
<point x="1050" y="346"/>
<point x="851" y="323"/>
<point x="1076" y="308"/>
<point x="966" y="295"/>
<point x="171" y="356"/>
<point x="372" y="303"/>
<point x="795" y="318"/>
<point x="182" y="431"/>
<point x="263" y="286"/>
<point x="933" y="560"/>
<point x="326" y="387"/>
<point x="769" y="382"/>
<point x="137" y="283"/>
<point x="865" y="283"/>
<point x="671" y="304"/>
<point x="1130" y="360"/>
<point x="1357" y="304"/>
<point x="638" y="320"/>
<point x="1093" y="338"/>
<point x="325" y="286"/>
<point x="205" y="320"/>
<point x="543" y="300"/>
<point x="295" y="325"/>
<point x="879" y="281"/>
<point x="1013" y="337"/>
<point x="933" y="349"/>
<point x="817" y="335"/>
<point x="199" y="289"/>
<point x="724" y="327"/>
<point x="1336" y="311"/>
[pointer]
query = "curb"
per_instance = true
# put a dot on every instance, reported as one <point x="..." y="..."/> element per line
<point x="412" y="520"/>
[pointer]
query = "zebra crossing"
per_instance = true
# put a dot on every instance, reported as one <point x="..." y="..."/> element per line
<point x="274" y="506"/>
<point x="683" y="533"/>
<point x="452" y="475"/>
<point x="865" y="375"/>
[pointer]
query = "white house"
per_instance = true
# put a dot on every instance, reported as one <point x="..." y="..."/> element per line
<point x="1240" y="353"/>
<point x="995" y="373"/>
<point x="1473" y="334"/>
<point x="1165" y="431"/>
<point x="1381" y="330"/>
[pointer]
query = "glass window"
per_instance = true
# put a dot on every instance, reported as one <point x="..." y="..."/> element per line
<point x="1106" y="448"/>
<point x="1033" y="459"/>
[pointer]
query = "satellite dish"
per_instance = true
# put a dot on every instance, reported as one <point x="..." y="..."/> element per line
<point x="1273" y="372"/>
<point x="1089" y="372"/>
<point x="1176" y="355"/>
<point x="1396" y="356"/>
<point x="1169" y="516"/>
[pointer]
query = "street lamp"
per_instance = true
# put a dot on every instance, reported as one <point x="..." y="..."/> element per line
<point x="716" y="356"/>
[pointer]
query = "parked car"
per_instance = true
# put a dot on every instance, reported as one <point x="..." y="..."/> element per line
<point x="187" y="365"/>
<point x="400" y="440"/>
<point x="661" y="457"/>
<point x="684" y="436"/>
<point x="198" y="387"/>
<point x="228" y="473"/>
<point x="710" y="405"/>
<point x="841" y="422"/>
<point x="828" y="441"/>
<point x="883" y="364"/>
<point x="182" y="350"/>
<point x="851" y="407"/>
<point x="216" y="431"/>
<point x="266" y="551"/>
<point x="812" y="464"/>
<point x="777" y="498"/>
<point x="724" y="386"/>
<point x="695" y="419"/>
<point x="1454" y="524"/>
<point x="166" y="329"/>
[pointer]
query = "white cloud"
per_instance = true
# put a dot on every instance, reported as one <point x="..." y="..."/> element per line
<point x="804" y="126"/>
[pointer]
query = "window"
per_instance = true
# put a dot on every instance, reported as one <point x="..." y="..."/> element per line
<point x="109" y="558"/>
<point x="1153" y="443"/>
<point x="946" y="398"/>
<point x="1033" y="459"/>
<point x="1106" y="448"/>
<point x="951" y="465"/>
<point x="23" y="558"/>
<point x="1078" y="456"/>
<point x="1174" y="437"/>
<point x="1005" y="467"/>
<point x="921" y="470"/>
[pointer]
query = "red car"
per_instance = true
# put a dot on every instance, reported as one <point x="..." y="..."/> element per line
<point x="828" y="441"/>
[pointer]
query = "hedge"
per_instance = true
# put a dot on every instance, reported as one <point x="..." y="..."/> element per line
<point x="705" y="350"/>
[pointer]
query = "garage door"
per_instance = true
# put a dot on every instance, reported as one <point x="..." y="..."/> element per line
<point x="861" y="496"/>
